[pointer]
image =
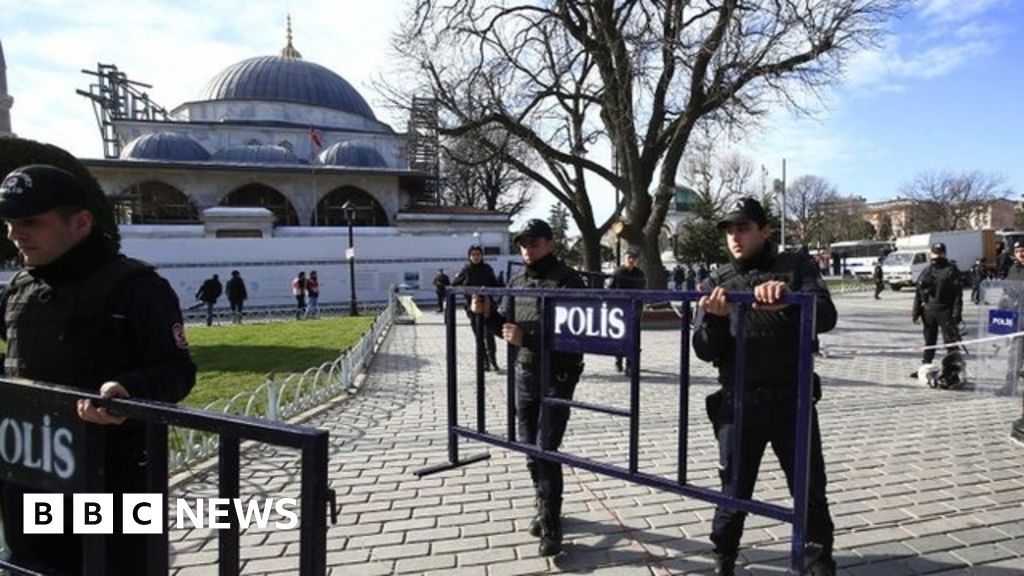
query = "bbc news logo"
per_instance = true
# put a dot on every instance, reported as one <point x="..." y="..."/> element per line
<point x="144" y="513"/>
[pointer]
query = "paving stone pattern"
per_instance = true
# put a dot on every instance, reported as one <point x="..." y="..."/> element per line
<point x="921" y="481"/>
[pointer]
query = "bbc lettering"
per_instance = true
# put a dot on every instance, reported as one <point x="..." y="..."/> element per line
<point x="144" y="513"/>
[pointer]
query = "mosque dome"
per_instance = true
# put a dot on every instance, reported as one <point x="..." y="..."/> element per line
<point x="256" y="154"/>
<point x="165" y="146"/>
<point x="348" y="154"/>
<point x="286" y="79"/>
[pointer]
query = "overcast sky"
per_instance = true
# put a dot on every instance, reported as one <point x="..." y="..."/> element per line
<point x="944" y="93"/>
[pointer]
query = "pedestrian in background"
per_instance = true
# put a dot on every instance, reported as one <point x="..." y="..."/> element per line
<point x="772" y="333"/>
<point x="208" y="294"/>
<point x="879" y="278"/>
<point x="441" y="283"/>
<point x="237" y="295"/>
<point x="627" y="277"/>
<point x="312" y="295"/>
<point x="476" y="272"/>
<point x="978" y="275"/>
<point x="938" y="302"/>
<point x="299" y="292"/>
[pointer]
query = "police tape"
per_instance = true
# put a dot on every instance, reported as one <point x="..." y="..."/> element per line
<point x="880" y="351"/>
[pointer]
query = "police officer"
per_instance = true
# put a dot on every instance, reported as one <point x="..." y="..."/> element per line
<point x="938" y="302"/>
<point x="769" y="392"/>
<point x="1016" y="270"/>
<point x="542" y="270"/>
<point x="878" y="277"/>
<point x="82" y="315"/>
<point x="476" y="272"/>
<point x="1012" y="292"/>
<point x="627" y="277"/>
<point x="978" y="275"/>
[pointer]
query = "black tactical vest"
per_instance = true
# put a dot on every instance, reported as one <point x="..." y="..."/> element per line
<point x="69" y="334"/>
<point x="527" y="311"/>
<point x="772" y="344"/>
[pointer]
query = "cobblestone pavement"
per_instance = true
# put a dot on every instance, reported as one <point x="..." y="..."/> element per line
<point x="921" y="481"/>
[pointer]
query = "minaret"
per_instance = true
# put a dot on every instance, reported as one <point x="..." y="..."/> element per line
<point x="5" y="99"/>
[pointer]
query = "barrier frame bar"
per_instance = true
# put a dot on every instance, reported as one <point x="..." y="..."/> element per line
<point x="796" y="516"/>
<point x="231" y="428"/>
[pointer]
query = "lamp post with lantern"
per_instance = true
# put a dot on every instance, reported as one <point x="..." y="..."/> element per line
<point x="350" y="254"/>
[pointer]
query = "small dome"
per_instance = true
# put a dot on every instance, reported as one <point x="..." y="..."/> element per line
<point x="286" y="79"/>
<point x="349" y="154"/>
<point x="165" y="146"/>
<point x="256" y="154"/>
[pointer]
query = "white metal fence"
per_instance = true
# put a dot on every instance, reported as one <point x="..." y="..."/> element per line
<point x="282" y="399"/>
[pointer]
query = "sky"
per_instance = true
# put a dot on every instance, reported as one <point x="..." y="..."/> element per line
<point x="942" y="93"/>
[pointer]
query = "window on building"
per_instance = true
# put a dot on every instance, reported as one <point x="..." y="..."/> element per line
<point x="262" y="196"/>
<point x="369" y="212"/>
<point x="154" y="202"/>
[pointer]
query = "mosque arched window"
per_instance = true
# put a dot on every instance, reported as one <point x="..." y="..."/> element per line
<point x="254" y="142"/>
<point x="261" y="196"/>
<point x="286" y="145"/>
<point x="154" y="202"/>
<point x="369" y="212"/>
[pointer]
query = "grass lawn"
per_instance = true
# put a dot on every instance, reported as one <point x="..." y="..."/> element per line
<point x="233" y="358"/>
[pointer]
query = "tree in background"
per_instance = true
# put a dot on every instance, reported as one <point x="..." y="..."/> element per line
<point x="558" y="219"/>
<point x="481" y="175"/>
<point x="806" y="200"/>
<point x="568" y="78"/>
<point x="949" y="201"/>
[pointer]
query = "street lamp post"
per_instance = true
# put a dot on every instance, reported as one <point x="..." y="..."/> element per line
<point x="350" y="254"/>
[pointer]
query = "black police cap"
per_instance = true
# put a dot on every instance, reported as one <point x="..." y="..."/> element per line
<point x="939" y="248"/>
<point x="534" y="228"/>
<point x="32" y="190"/>
<point x="745" y="210"/>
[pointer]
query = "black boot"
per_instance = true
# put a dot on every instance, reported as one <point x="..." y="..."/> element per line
<point x="493" y="359"/>
<point x="725" y="564"/>
<point x="550" y="527"/>
<point x="536" y="522"/>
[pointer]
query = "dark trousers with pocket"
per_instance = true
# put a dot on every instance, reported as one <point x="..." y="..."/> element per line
<point x="547" y="476"/>
<point x="767" y="421"/>
<point x="933" y="321"/>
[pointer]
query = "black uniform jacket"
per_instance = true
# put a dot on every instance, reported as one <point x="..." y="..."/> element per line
<point x="624" y="278"/>
<point x="772" y="351"/>
<point x="939" y="289"/>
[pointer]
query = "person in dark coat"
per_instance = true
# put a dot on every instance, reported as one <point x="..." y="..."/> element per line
<point x="938" y="302"/>
<point x="627" y="277"/>
<point x="237" y="295"/>
<point x="82" y="315"/>
<point x="879" y="278"/>
<point x="678" y="277"/>
<point x="542" y="269"/>
<point x="441" y="283"/>
<point x="772" y="333"/>
<point x="208" y="294"/>
<point x="476" y="272"/>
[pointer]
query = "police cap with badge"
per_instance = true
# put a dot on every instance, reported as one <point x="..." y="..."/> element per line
<point x="534" y="228"/>
<point x="32" y="190"/>
<point x="745" y="210"/>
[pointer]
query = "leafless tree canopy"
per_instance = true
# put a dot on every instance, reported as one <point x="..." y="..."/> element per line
<point x="948" y="201"/>
<point x="479" y="175"/>
<point x="807" y="200"/>
<point x="637" y="76"/>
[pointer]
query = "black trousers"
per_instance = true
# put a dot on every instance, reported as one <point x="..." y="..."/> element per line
<point x="879" y="286"/>
<point x="62" y="553"/>
<point x="768" y="423"/>
<point x="478" y="324"/>
<point x="546" y="476"/>
<point x="933" y="321"/>
<point x="440" y="301"/>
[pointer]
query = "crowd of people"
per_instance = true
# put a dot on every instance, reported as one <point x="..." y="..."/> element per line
<point x="305" y="289"/>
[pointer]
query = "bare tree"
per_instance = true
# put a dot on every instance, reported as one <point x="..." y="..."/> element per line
<point x="480" y="175"/>
<point x="807" y="198"/>
<point x="948" y="201"/>
<point x="638" y="76"/>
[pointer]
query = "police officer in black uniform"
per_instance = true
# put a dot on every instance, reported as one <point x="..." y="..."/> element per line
<point x="938" y="302"/>
<point x="769" y="392"/>
<point x="542" y="270"/>
<point x="476" y="272"/>
<point x="441" y="283"/>
<point x="627" y="277"/>
<point x="879" y="278"/>
<point x="82" y="315"/>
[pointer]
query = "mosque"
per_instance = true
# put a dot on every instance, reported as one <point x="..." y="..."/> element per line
<point x="267" y="171"/>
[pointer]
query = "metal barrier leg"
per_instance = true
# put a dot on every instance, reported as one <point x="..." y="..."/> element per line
<point x="157" y="548"/>
<point x="313" y="531"/>
<point x="227" y="472"/>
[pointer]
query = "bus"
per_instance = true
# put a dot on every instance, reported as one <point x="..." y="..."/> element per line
<point x="857" y="257"/>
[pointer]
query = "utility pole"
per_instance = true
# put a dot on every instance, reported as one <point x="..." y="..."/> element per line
<point x="782" y="219"/>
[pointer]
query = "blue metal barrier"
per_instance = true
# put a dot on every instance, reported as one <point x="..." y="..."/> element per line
<point x="553" y="305"/>
<point x="58" y="403"/>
